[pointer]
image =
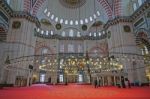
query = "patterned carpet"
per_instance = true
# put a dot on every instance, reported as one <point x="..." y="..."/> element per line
<point x="74" y="91"/>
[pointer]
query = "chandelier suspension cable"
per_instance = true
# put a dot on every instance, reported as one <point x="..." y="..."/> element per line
<point x="9" y="47"/>
<point x="12" y="39"/>
<point x="18" y="43"/>
<point x="30" y="39"/>
<point x="79" y="18"/>
<point x="120" y="47"/>
<point x="23" y="45"/>
<point x="122" y="58"/>
<point x="96" y="29"/>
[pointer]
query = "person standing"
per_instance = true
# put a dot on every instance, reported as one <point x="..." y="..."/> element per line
<point x="95" y="83"/>
<point x="129" y="85"/>
<point x="49" y="80"/>
<point x="99" y="82"/>
<point x="123" y="82"/>
<point x="126" y="81"/>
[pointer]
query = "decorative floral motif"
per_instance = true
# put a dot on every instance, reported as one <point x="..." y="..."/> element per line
<point x="45" y="22"/>
<point x="72" y="3"/>
<point x="127" y="28"/>
<point x="58" y="26"/>
<point x="16" y="24"/>
<point x="84" y="27"/>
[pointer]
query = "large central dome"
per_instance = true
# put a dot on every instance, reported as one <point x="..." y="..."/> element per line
<point x="72" y="3"/>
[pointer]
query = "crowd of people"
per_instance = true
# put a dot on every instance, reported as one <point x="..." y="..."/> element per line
<point x="97" y="83"/>
<point x="124" y="83"/>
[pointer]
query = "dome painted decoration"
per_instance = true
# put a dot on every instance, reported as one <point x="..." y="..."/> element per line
<point x="72" y="3"/>
<point x="46" y="22"/>
<point x="16" y="25"/>
<point x="127" y="28"/>
<point x="84" y="27"/>
<point x="98" y="23"/>
<point x="58" y="26"/>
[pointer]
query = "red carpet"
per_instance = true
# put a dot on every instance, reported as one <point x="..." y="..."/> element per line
<point x="74" y="92"/>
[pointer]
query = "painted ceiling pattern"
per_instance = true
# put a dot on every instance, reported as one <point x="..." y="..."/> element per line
<point x="112" y="7"/>
<point x="72" y="3"/>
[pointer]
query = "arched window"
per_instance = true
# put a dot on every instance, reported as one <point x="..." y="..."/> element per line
<point x="91" y="19"/>
<point x="80" y="78"/>
<point x="78" y="34"/>
<point x="45" y="11"/>
<point x="66" y="22"/>
<point x="134" y="6"/>
<point x="146" y="50"/>
<point x="86" y="20"/>
<point x="81" y="22"/>
<point x="140" y="2"/>
<point x="47" y="33"/>
<point x="52" y="33"/>
<point x="80" y="48"/>
<point x="63" y="34"/>
<point x="61" y="78"/>
<point x="71" y="32"/>
<point x="71" y="22"/>
<point x="44" y="51"/>
<point x="142" y="51"/>
<point x="95" y="34"/>
<point x="42" y="78"/>
<point x="52" y="16"/>
<point x="90" y="34"/>
<point x="38" y="30"/>
<point x="94" y="16"/>
<point x="76" y="22"/>
<point x="42" y="32"/>
<point x="8" y="1"/>
<point x="71" y="48"/>
<point x="48" y="14"/>
<point x="61" y="21"/>
<point x="98" y="13"/>
<point x="62" y="47"/>
<point x="100" y="34"/>
<point x="56" y="19"/>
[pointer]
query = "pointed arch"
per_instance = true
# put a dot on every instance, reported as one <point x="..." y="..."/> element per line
<point x="27" y="5"/>
<point x="107" y="8"/>
<point x="37" y="6"/>
<point x="117" y="8"/>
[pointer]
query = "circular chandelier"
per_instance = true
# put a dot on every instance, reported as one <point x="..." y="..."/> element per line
<point x="72" y="3"/>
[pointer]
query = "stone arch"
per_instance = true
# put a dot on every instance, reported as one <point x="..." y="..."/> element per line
<point x="66" y="30"/>
<point x="107" y="7"/>
<point x="142" y="39"/>
<point x="39" y="49"/>
<point x="96" y="27"/>
<point x="102" y="49"/>
<point x="3" y="32"/>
